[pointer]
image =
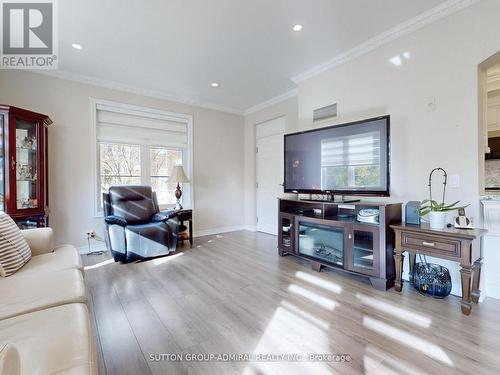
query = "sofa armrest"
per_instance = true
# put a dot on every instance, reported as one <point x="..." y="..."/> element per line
<point x="40" y="240"/>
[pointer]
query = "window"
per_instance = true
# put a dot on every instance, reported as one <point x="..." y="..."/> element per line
<point x="162" y="160"/>
<point x="136" y="145"/>
<point x="351" y="162"/>
<point x="119" y="164"/>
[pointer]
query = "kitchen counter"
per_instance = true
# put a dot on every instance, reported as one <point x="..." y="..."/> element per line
<point x="493" y="196"/>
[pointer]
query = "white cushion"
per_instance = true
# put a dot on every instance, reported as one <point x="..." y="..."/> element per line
<point x="14" y="250"/>
<point x="40" y="240"/>
<point x="9" y="360"/>
<point x="21" y="295"/>
<point x="57" y="340"/>
<point x="62" y="258"/>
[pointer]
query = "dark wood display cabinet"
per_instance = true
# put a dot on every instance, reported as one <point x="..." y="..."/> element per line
<point x="330" y="235"/>
<point x="23" y="166"/>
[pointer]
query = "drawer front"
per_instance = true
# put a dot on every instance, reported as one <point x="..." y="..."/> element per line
<point x="185" y="215"/>
<point x="431" y="244"/>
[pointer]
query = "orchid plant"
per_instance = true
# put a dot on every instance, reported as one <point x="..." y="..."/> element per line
<point x="431" y="205"/>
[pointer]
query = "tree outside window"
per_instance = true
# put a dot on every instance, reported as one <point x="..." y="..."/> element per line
<point x="121" y="164"/>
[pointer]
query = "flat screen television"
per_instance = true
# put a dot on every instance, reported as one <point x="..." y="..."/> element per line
<point x="346" y="159"/>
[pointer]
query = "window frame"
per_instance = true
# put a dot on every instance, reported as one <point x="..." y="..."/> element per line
<point x="186" y="150"/>
<point x="98" y="166"/>
<point x="147" y="164"/>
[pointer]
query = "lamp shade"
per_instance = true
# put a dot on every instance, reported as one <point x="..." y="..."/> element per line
<point x="178" y="175"/>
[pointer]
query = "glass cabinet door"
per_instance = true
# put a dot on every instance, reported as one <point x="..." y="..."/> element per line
<point x="286" y="234"/>
<point x="2" y="156"/>
<point x="26" y="165"/>
<point x="364" y="250"/>
<point x="321" y="242"/>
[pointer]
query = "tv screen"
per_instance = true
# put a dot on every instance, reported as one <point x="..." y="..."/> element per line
<point x="347" y="159"/>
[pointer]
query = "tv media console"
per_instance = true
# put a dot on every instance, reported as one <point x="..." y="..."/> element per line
<point x="329" y="234"/>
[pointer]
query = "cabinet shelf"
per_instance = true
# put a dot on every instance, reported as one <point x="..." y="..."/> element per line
<point x="363" y="244"/>
<point x="365" y="266"/>
<point x="363" y="249"/>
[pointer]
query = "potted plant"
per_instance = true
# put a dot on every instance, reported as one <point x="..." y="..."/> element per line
<point x="437" y="211"/>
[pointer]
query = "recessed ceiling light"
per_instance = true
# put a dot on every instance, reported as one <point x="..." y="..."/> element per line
<point x="297" y="28"/>
<point x="396" y="60"/>
<point x="76" y="46"/>
<point x="214" y="84"/>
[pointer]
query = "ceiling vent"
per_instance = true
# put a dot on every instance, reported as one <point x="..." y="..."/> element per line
<point x="324" y="113"/>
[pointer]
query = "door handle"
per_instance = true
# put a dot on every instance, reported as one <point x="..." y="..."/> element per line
<point x="428" y="244"/>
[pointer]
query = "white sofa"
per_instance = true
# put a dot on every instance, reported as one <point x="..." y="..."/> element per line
<point x="44" y="321"/>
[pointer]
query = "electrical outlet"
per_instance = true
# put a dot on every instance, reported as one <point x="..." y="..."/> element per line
<point x="90" y="234"/>
<point x="454" y="181"/>
<point x="431" y="105"/>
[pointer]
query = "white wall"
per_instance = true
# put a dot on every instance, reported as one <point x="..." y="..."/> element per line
<point x="217" y="140"/>
<point x="287" y="108"/>
<point x="443" y="68"/>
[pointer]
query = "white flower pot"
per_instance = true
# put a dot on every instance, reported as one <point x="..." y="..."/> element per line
<point x="437" y="219"/>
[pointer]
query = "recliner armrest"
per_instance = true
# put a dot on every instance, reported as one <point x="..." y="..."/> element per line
<point x="164" y="215"/>
<point x="40" y="240"/>
<point x="115" y="220"/>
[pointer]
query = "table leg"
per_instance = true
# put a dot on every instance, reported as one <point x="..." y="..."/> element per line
<point x="317" y="266"/>
<point x="476" y="279"/>
<point x="398" y="262"/>
<point x="191" y="232"/>
<point x="466" y="273"/>
<point x="411" y="258"/>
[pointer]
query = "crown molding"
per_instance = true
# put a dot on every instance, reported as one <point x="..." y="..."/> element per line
<point x="441" y="11"/>
<point x="61" y="74"/>
<point x="272" y="101"/>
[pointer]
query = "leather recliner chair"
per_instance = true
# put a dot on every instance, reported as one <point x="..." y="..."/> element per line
<point x="134" y="226"/>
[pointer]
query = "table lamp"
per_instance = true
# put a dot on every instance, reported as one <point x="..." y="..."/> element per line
<point x="178" y="176"/>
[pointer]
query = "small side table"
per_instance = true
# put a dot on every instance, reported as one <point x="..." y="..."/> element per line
<point x="187" y="215"/>
<point x="459" y="245"/>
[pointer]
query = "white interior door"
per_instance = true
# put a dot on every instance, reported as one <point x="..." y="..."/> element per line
<point x="269" y="173"/>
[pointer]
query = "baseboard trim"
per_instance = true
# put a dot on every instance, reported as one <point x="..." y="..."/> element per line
<point x="96" y="247"/>
<point x="490" y="291"/>
<point x="232" y="228"/>
<point x="201" y="233"/>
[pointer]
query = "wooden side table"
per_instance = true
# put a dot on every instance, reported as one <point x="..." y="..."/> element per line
<point x="187" y="215"/>
<point x="460" y="245"/>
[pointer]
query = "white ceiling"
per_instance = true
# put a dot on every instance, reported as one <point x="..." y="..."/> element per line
<point x="178" y="47"/>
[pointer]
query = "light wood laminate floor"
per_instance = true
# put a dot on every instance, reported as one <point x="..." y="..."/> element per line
<point x="232" y="293"/>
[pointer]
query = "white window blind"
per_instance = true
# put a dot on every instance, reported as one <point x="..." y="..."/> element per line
<point x="353" y="150"/>
<point x="140" y="127"/>
<point x="140" y="145"/>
